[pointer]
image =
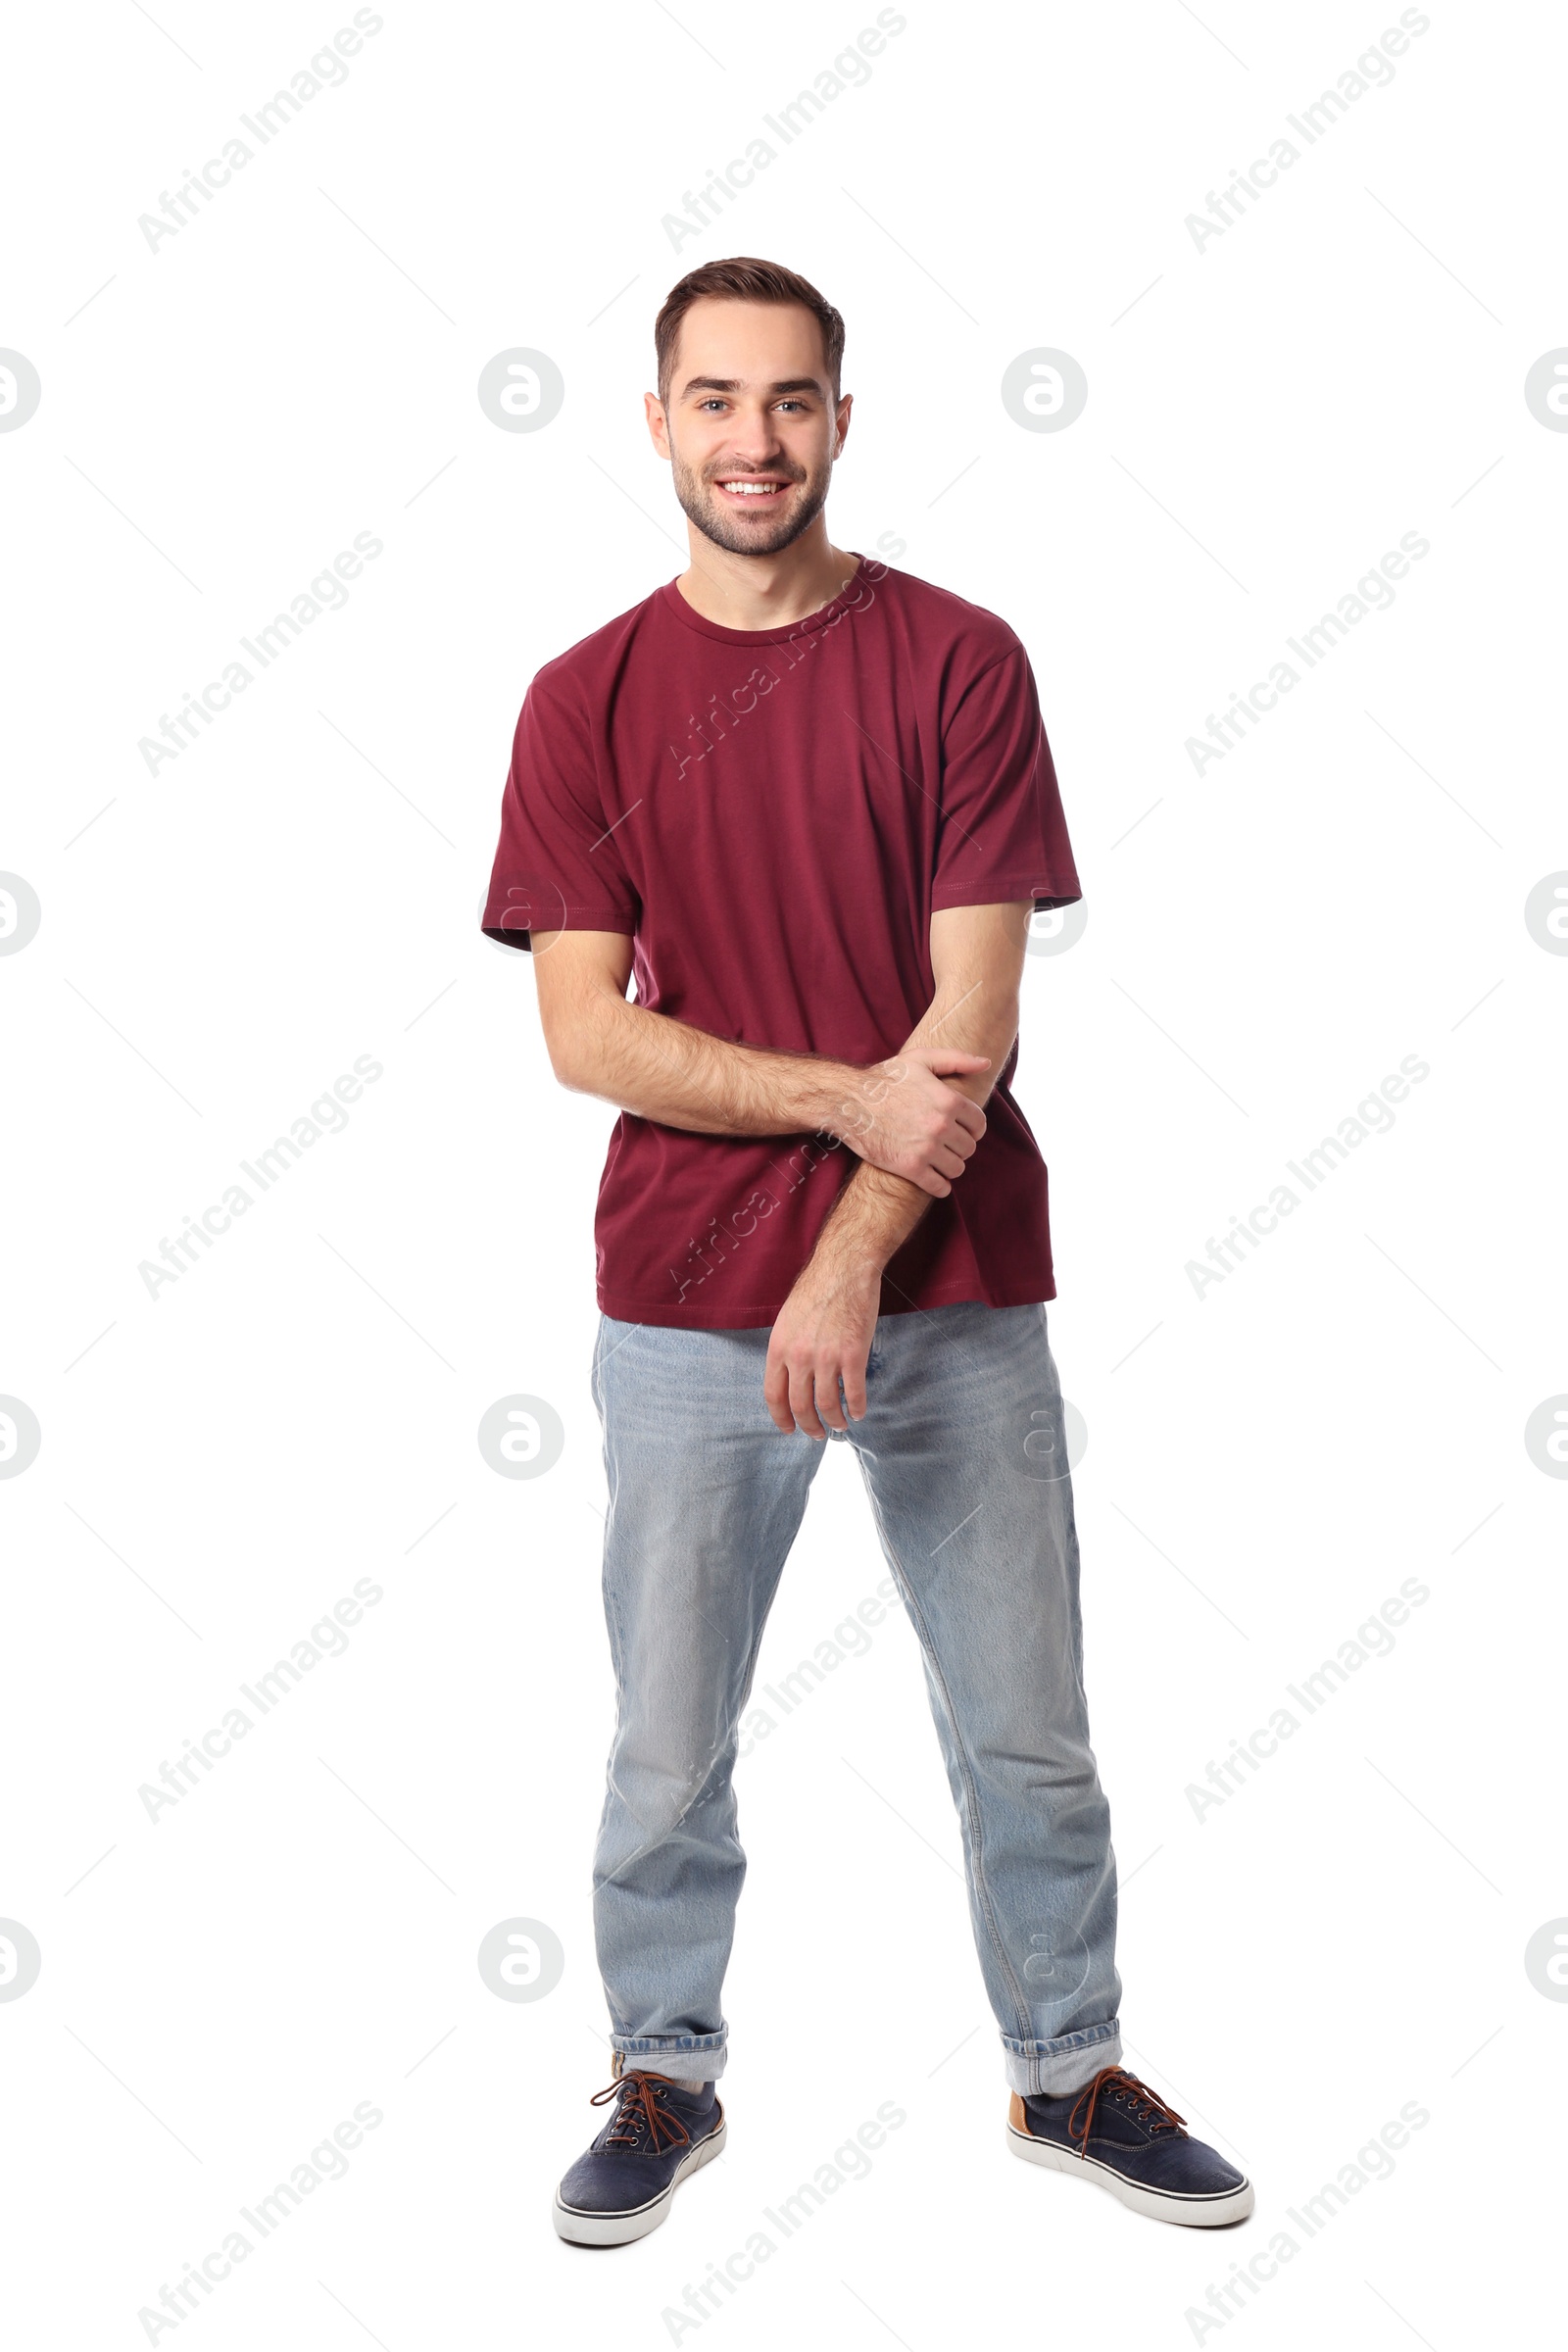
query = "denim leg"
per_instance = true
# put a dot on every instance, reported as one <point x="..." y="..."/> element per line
<point x="963" y="1453"/>
<point x="705" y="1497"/>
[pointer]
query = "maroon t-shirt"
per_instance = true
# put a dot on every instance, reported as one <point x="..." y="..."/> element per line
<point x="772" y="815"/>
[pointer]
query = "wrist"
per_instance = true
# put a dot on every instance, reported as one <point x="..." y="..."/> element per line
<point x="844" y="1272"/>
<point x="862" y="1232"/>
<point x="838" y="1101"/>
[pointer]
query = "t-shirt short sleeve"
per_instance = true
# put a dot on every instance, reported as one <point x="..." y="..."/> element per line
<point x="557" y="867"/>
<point x="1002" y="835"/>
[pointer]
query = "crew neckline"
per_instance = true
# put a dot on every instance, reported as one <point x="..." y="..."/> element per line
<point x="691" y="618"/>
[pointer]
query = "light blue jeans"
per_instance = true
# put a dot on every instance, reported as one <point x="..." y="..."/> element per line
<point x="963" y="1455"/>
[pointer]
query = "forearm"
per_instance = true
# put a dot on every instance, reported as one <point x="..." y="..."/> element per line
<point x="876" y="1213"/>
<point x="870" y="1221"/>
<point x="663" y="1069"/>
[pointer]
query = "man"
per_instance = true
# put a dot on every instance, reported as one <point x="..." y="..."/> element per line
<point x="808" y="802"/>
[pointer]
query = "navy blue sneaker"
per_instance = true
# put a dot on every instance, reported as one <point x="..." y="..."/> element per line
<point x="1116" y="2132"/>
<point x="622" y="2185"/>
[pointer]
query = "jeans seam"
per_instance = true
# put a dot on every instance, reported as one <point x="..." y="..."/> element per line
<point x="971" y="1799"/>
<point x="668" y="2041"/>
<point x="612" y="1625"/>
<point x="611" y="1612"/>
<point x="1059" y="2045"/>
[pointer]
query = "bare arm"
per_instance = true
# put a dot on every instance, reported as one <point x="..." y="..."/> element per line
<point x="909" y="1114"/>
<point x="824" y="1333"/>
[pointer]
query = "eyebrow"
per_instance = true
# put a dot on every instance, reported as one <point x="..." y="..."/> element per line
<point x="732" y="383"/>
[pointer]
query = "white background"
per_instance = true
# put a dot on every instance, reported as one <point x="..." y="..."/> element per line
<point x="219" y="941"/>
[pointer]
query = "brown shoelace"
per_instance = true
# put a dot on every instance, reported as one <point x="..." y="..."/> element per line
<point x="635" y="2091"/>
<point x="1119" y="2083"/>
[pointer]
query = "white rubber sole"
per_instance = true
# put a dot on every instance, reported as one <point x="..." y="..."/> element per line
<point x="1194" y="2213"/>
<point x="620" y="2229"/>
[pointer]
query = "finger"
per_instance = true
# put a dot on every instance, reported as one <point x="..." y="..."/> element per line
<point x="926" y="1177"/>
<point x="970" y="1115"/>
<point x="947" y="1160"/>
<point x="945" y="1064"/>
<point x="802" y="1402"/>
<point x="854" y="1377"/>
<point x="827" y="1396"/>
<point x="775" y="1394"/>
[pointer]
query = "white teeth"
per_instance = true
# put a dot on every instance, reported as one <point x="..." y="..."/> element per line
<point x="754" y="489"/>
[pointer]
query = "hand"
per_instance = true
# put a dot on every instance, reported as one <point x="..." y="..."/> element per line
<point x="822" y="1336"/>
<point x="901" y="1117"/>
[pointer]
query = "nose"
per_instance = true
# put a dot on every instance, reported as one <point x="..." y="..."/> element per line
<point x="756" y="442"/>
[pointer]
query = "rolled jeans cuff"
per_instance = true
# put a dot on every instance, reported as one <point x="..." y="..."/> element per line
<point x="684" y="2057"/>
<point x="1050" y="2067"/>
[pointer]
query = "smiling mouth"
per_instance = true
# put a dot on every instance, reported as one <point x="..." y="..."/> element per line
<point x="751" y="490"/>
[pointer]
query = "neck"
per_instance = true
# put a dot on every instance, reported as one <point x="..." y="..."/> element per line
<point x="764" y="592"/>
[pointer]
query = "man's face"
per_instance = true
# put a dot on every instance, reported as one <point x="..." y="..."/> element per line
<point x="751" y="425"/>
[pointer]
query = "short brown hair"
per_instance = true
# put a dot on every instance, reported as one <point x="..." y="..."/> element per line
<point x="744" y="279"/>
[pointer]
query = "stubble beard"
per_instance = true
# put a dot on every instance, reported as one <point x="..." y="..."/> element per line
<point x="703" y="510"/>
